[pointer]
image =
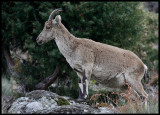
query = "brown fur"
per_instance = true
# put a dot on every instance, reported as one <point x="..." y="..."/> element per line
<point x="106" y="64"/>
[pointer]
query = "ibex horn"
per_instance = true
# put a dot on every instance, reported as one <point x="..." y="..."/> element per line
<point x="53" y="13"/>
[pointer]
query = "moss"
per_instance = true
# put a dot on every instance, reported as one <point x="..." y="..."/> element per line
<point x="62" y="101"/>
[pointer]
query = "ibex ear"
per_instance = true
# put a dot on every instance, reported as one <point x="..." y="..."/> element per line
<point x="58" y="19"/>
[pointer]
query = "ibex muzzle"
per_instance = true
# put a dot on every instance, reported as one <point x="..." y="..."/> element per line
<point x="49" y="30"/>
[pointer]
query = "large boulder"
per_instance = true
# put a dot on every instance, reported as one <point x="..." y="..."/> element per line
<point x="45" y="102"/>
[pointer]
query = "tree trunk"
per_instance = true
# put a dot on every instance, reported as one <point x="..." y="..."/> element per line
<point x="10" y="63"/>
<point x="18" y="87"/>
<point x="48" y="81"/>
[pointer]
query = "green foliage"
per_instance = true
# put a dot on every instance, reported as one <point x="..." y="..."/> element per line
<point x="6" y="86"/>
<point x="122" y="24"/>
<point x="65" y="91"/>
<point x="70" y="88"/>
<point x="114" y="23"/>
<point x="155" y="82"/>
<point x="147" y="46"/>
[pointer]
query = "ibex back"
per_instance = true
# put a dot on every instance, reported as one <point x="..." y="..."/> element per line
<point x="108" y="65"/>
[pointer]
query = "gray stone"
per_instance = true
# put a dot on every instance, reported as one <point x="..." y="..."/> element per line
<point x="19" y="105"/>
<point x="6" y="103"/>
<point x="44" y="102"/>
<point x="37" y="94"/>
<point x="33" y="107"/>
<point x="104" y="110"/>
<point x="69" y="109"/>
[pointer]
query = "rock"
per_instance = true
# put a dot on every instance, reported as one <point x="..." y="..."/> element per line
<point x="70" y="109"/>
<point x="33" y="107"/>
<point x="103" y="110"/>
<point x="37" y="94"/>
<point x="45" y="102"/>
<point x="6" y="102"/>
<point x="19" y="105"/>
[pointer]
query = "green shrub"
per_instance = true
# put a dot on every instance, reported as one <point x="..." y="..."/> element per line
<point x="6" y="86"/>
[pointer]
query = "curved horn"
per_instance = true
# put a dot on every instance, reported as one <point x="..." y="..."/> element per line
<point x="53" y="13"/>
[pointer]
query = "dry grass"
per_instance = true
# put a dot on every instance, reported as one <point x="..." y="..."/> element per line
<point x="127" y="102"/>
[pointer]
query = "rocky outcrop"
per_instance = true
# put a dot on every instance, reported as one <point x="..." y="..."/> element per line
<point x="6" y="102"/>
<point x="45" y="102"/>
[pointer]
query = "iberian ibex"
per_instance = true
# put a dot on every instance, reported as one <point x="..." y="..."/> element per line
<point x="107" y="64"/>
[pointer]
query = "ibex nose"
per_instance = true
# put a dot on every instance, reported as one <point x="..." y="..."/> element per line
<point x="37" y="38"/>
<point x="39" y="41"/>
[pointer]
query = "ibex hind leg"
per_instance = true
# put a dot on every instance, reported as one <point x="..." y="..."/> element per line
<point x="138" y="87"/>
<point x="143" y="95"/>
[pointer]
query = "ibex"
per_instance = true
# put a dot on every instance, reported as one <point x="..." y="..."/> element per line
<point x="108" y="65"/>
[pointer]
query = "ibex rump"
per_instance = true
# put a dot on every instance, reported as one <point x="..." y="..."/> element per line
<point x="107" y="64"/>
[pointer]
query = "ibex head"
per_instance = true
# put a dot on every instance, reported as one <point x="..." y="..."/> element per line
<point x="49" y="31"/>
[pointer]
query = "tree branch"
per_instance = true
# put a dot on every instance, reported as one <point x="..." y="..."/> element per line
<point x="43" y="85"/>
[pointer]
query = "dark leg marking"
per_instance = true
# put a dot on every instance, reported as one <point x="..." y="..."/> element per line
<point x="84" y="85"/>
<point x="76" y="70"/>
<point x="79" y="80"/>
<point x="80" y="92"/>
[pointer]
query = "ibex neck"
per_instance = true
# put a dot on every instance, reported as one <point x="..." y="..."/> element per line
<point x="64" y="40"/>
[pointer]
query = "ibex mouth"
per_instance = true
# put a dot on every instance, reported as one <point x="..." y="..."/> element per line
<point x="39" y="43"/>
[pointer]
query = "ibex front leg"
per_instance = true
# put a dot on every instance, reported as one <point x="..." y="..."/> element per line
<point x="83" y="81"/>
<point x="82" y="87"/>
<point x="80" y="84"/>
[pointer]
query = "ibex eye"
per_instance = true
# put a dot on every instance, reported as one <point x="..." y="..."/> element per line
<point x="48" y="27"/>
